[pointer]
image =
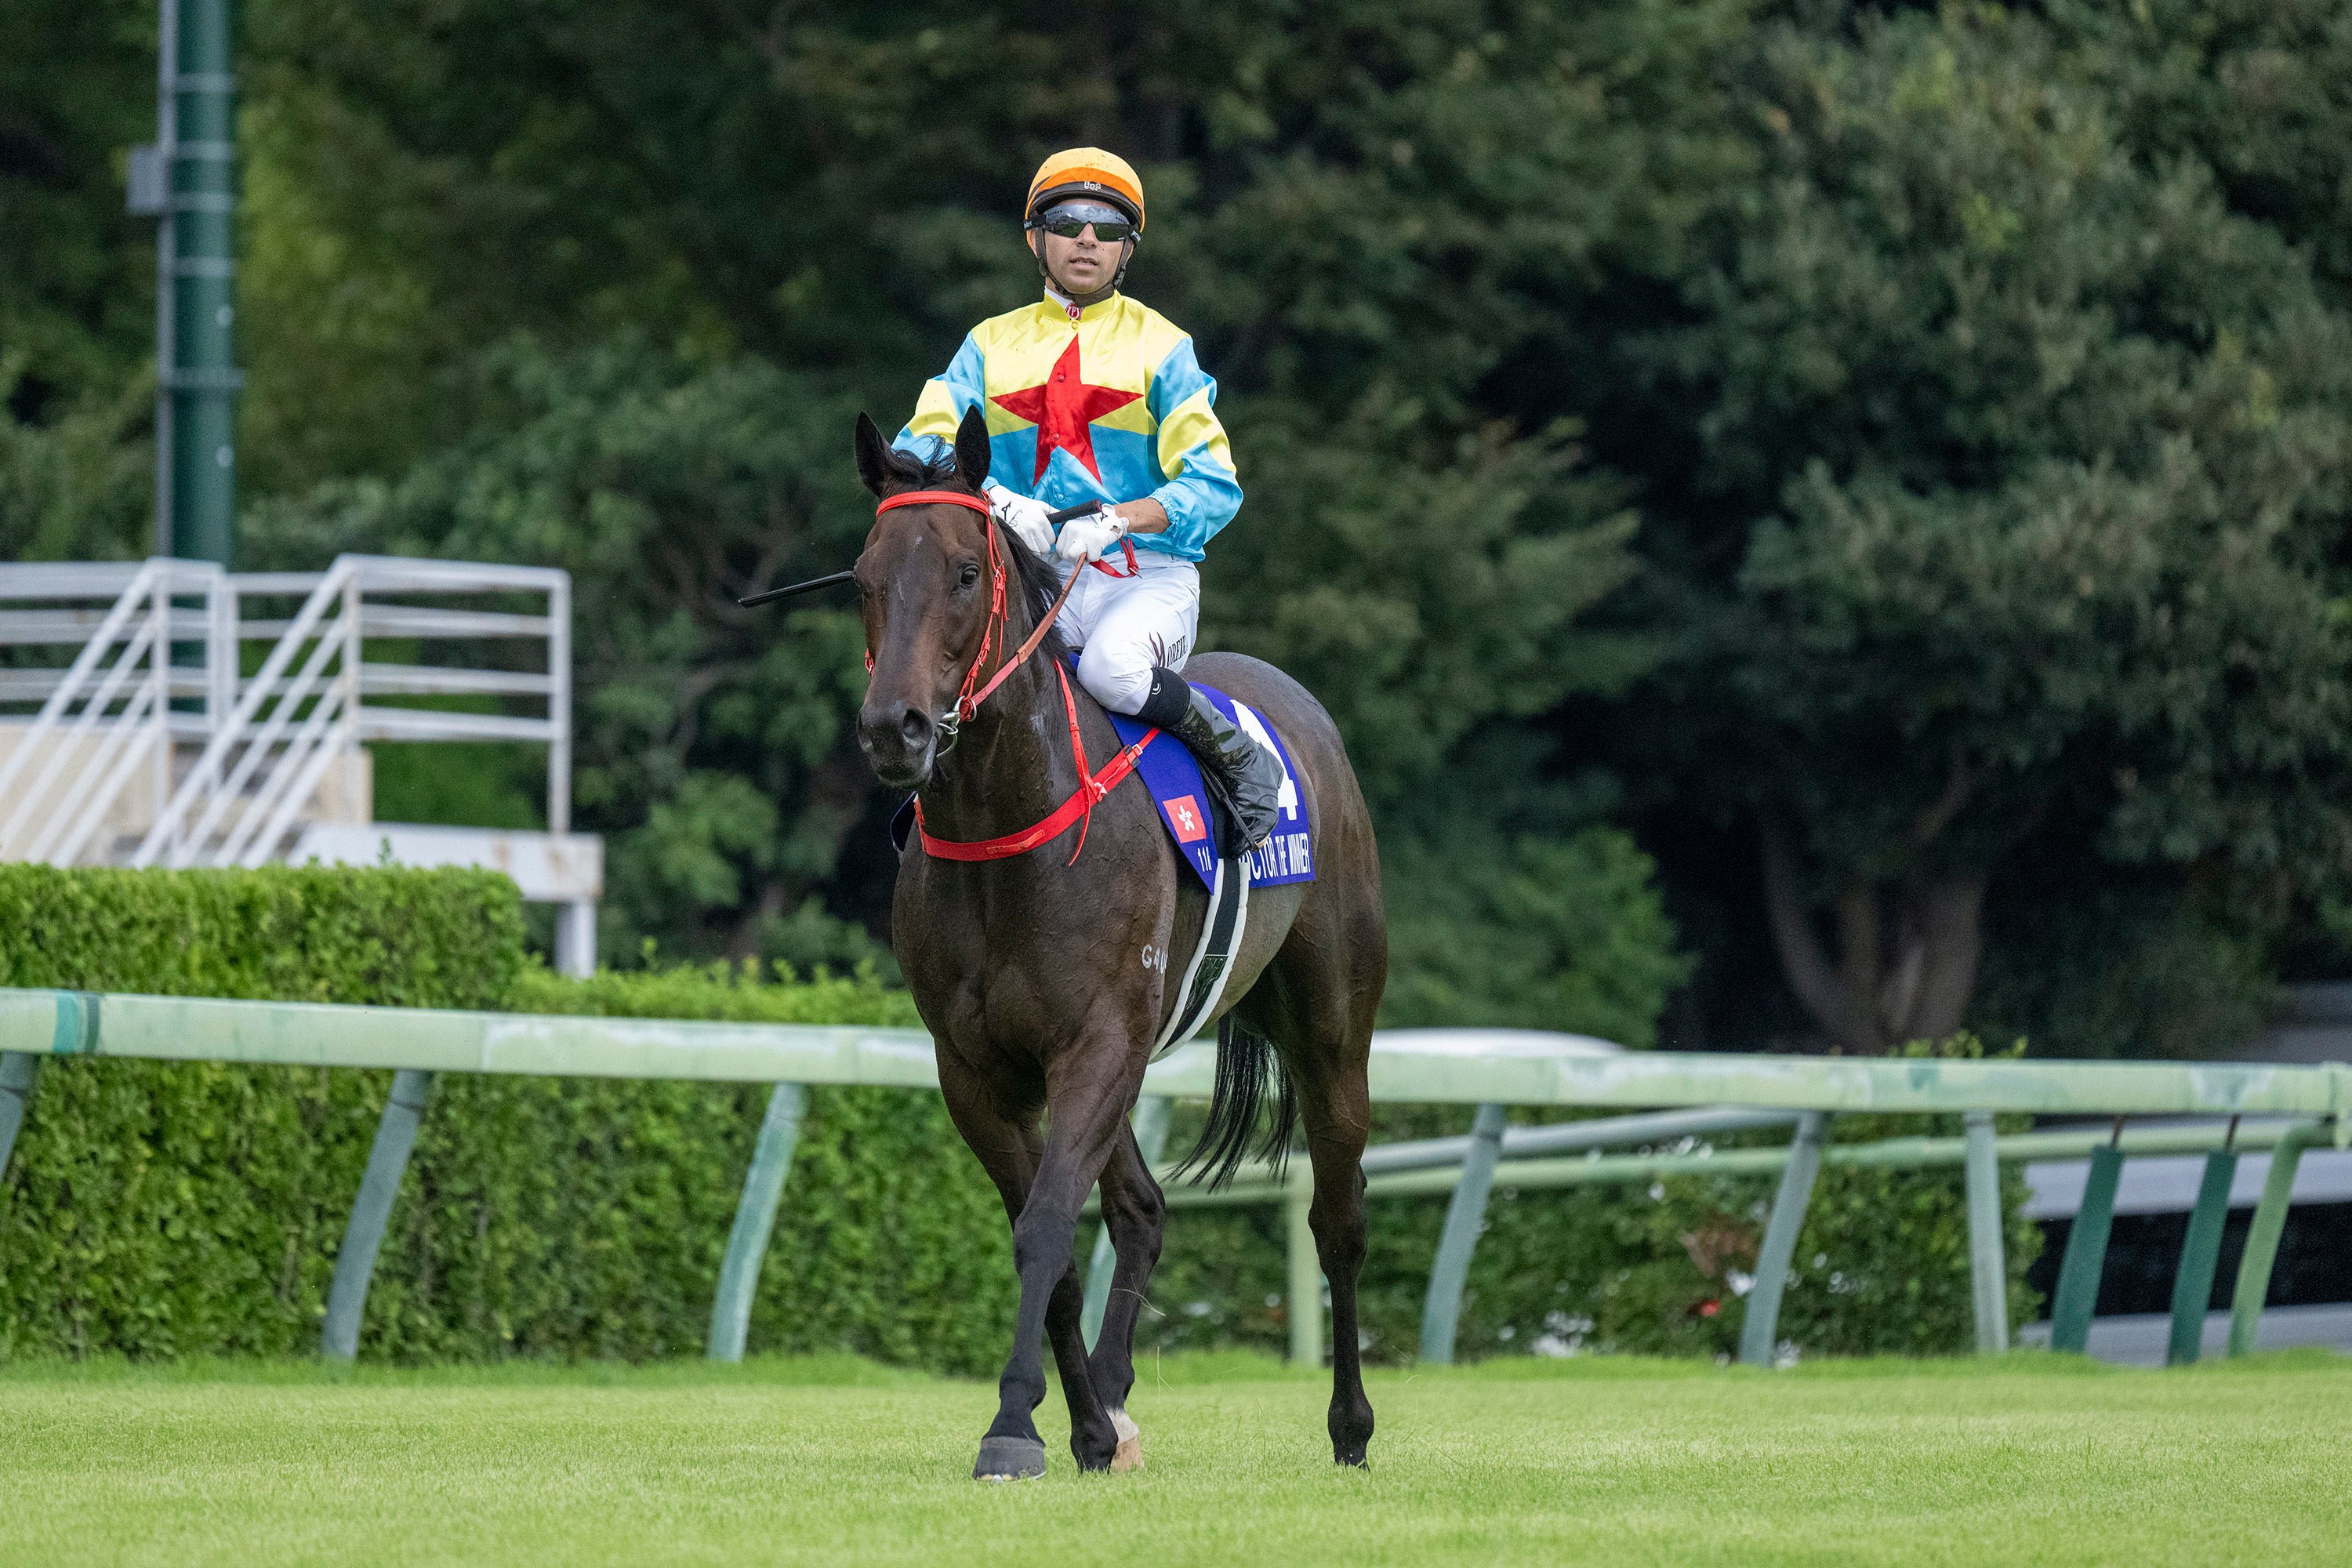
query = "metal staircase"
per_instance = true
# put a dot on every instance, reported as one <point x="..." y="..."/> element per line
<point x="151" y="748"/>
<point x="153" y="672"/>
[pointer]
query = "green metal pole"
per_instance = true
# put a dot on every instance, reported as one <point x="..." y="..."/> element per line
<point x="755" y="1219"/>
<point x="2077" y="1296"/>
<point x="1988" y="1274"/>
<point x="395" y="1136"/>
<point x="17" y="1071"/>
<point x="1305" y="1272"/>
<point x="2192" y="1287"/>
<point x="1759" y="1335"/>
<point x="2263" y="1238"/>
<point x="196" y="361"/>
<point x="1466" y="1216"/>
<point x="1151" y="1113"/>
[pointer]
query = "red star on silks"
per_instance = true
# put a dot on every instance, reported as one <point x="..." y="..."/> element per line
<point x="1064" y="408"/>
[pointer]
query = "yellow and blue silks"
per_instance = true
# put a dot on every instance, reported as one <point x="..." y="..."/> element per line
<point x="1112" y="407"/>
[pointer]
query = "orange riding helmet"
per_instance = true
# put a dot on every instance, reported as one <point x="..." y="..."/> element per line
<point x="1087" y="171"/>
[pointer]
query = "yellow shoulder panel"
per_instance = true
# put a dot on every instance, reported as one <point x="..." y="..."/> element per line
<point x="1154" y="333"/>
<point x="1019" y="348"/>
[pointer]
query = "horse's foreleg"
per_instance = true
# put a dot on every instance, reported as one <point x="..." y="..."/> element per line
<point x="1065" y="1332"/>
<point x="1133" y="1211"/>
<point x="1007" y="1142"/>
<point x="1083" y="1120"/>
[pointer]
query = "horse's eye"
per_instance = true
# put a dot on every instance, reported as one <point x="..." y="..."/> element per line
<point x="970" y="575"/>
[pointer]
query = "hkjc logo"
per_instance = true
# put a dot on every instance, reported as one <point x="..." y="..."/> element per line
<point x="1184" y="815"/>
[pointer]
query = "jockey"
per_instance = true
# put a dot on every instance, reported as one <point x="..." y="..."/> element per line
<point x="1091" y="397"/>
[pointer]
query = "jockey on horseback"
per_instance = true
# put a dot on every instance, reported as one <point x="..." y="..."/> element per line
<point x="1091" y="397"/>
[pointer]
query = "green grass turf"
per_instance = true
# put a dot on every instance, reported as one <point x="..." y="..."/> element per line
<point x="2031" y="1459"/>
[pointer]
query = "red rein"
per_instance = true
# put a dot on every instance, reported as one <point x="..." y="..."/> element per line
<point x="1079" y="808"/>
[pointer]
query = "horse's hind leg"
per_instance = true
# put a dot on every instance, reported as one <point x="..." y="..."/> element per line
<point x="1317" y="1000"/>
<point x="1335" y="1102"/>
<point x="1133" y="1210"/>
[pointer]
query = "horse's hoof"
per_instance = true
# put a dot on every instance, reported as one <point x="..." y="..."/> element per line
<point x="1129" y="1455"/>
<point x="1010" y="1459"/>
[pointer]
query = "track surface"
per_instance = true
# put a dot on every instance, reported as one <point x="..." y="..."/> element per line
<point x="832" y="1461"/>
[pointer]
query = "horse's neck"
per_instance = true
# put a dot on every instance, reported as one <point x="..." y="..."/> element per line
<point x="1012" y="765"/>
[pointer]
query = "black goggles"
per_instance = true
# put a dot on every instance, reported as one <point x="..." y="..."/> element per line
<point x="1072" y="219"/>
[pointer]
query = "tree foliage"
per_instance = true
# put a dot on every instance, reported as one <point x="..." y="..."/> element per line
<point x="77" y="287"/>
<point x="2045" y="450"/>
<point x="713" y="744"/>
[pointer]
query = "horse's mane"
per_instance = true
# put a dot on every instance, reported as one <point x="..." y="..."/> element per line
<point x="1038" y="582"/>
<point x="1040" y="586"/>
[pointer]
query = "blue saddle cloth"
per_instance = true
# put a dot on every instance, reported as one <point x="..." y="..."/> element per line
<point x="1173" y="775"/>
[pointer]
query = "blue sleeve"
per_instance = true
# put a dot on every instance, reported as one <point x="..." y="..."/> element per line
<point x="1201" y="491"/>
<point x="945" y="399"/>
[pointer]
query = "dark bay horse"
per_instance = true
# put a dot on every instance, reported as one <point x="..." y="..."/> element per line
<point x="1046" y="976"/>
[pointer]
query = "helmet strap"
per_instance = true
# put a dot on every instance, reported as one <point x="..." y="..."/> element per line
<point x="1126" y="257"/>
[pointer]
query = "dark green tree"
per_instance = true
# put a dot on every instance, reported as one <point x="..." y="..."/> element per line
<point x="2258" y="91"/>
<point x="712" y="745"/>
<point x="2025" y="461"/>
<point x="77" y="280"/>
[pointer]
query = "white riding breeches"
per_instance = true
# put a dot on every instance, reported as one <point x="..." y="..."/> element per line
<point x="1127" y="625"/>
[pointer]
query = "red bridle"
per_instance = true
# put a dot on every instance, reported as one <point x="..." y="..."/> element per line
<point x="1079" y="808"/>
<point x="967" y="703"/>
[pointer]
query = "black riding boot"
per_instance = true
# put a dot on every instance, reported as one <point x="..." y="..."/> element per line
<point x="1245" y="777"/>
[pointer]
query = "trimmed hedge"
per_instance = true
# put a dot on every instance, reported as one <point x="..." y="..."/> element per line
<point x="162" y="1208"/>
<point x="386" y="937"/>
<point x="156" y="1209"/>
<point x="576" y="1217"/>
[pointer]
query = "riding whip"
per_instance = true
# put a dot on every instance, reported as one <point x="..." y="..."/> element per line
<point x="773" y="594"/>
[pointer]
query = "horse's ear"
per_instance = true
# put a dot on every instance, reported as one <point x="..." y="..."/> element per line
<point x="971" y="447"/>
<point x="873" y="456"/>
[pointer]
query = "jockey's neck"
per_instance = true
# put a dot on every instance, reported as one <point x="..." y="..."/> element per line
<point x="1068" y="301"/>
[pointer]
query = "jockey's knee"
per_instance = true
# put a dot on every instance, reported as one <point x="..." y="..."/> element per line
<point x="1119" y="679"/>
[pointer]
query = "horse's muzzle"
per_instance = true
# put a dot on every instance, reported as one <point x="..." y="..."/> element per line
<point x="901" y="741"/>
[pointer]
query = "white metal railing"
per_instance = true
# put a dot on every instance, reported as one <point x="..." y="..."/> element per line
<point x="151" y="671"/>
<point x="262" y="763"/>
<point x="306" y="708"/>
<point x="236" y="768"/>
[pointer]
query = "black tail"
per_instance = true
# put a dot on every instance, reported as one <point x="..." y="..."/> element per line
<point x="1245" y="1058"/>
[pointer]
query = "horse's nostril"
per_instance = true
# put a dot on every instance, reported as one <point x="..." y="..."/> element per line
<point x="915" y="726"/>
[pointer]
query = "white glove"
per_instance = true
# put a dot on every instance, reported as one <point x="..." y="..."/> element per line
<point x="1086" y="538"/>
<point x="1033" y="521"/>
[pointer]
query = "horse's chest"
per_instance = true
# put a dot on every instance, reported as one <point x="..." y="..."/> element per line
<point x="1012" y="975"/>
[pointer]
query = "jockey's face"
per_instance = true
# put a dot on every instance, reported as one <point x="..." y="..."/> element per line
<point x="1078" y="267"/>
